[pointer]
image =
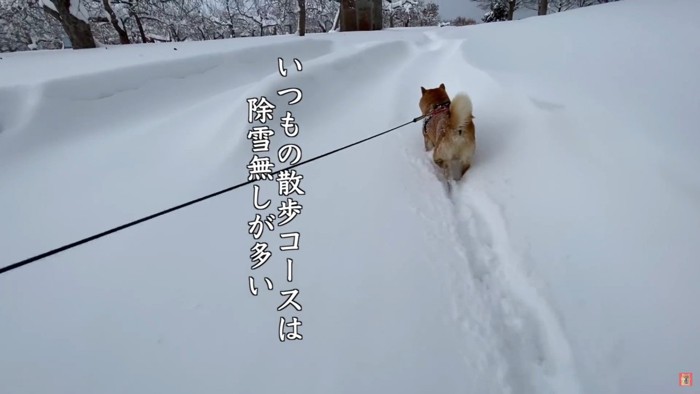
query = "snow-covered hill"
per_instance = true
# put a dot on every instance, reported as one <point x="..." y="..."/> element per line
<point x="565" y="262"/>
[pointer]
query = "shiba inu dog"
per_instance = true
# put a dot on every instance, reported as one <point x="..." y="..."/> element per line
<point x="449" y="130"/>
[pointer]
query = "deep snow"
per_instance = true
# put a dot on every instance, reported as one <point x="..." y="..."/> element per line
<point x="564" y="262"/>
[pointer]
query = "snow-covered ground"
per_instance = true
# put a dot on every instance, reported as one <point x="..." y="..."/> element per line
<point x="565" y="262"/>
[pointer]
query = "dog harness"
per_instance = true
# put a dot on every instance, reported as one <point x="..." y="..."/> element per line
<point x="440" y="108"/>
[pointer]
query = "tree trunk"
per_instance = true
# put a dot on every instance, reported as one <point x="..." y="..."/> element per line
<point x="123" y="37"/>
<point x="511" y="10"/>
<point x="542" y="7"/>
<point x="302" y="17"/>
<point x="142" y="32"/>
<point x="336" y="20"/>
<point x="78" y="31"/>
<point x="230" y="19"/>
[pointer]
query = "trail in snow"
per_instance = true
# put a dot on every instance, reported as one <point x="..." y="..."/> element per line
<point x="530" y="349"/>
<point x="521" y="343"/>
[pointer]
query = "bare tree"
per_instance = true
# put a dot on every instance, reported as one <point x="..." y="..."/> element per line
<point x="302" y="17"/>
<point x="256" y="13"/>
<point x="498" y="13"/>
<point x="74" y="21"/>
<point x="44" y="24"/>
<point x="320" y="15"/>
<point x="430" y="15"/>
<point x="462" y="21"/>
<point x="392" y="8"/>
<point x="336" y="20"/>
<point x="511" y="9"/>
<point x="24" y="25"/>
<point x="544" y="7"/>
<point x="492" y="6"/>
<point x="123" y="36"/>
<point x="410" y="13"/>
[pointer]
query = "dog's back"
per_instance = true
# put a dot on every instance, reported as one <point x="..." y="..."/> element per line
<point x="452" y="133"/>
<point x="433" y="125"/>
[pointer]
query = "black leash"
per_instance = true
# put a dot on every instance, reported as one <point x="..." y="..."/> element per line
<point x="175" y="208"/>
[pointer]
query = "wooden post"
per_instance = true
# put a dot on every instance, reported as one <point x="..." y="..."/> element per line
<point x="360" y="15"/>
<point x="377" y="15"/>
<point x="348" y="15"/>
<point x="364" y="14"/>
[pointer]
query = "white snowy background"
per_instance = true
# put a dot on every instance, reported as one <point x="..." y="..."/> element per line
<point x="565" y="262"/>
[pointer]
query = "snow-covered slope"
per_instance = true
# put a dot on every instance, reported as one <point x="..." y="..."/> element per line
<point x="565" y="262"/>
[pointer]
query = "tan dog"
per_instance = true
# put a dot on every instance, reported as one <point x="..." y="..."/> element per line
<point x="449" y="129"/>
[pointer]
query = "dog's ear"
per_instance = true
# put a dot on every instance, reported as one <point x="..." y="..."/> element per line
<point x="422" y="90"/>
<point x="442" y="86"/>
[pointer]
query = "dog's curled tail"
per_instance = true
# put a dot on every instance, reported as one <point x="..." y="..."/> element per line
<point x="460" y="111"/>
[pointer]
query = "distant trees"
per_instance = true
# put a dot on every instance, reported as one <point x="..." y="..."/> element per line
<point x="24" y="25"/>
<point x="564" y="5"/>
<point x="500" y="10"/>
<point x="53" y="24"/>
<point x="49" y="24"/>
<point x="410" y="13"/>
<point x="430" y="14"/>
<point x="462" y="21"/>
